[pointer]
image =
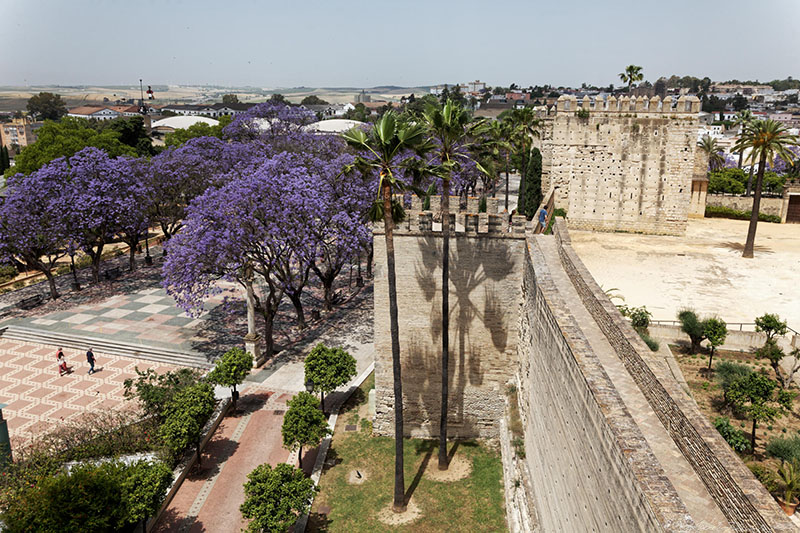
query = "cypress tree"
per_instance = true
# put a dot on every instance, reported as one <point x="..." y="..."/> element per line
<point x="533" y="185"/>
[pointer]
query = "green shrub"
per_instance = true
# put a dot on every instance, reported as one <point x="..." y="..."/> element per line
<point x="648" y="340"/>
<point x="767" y="477"/>
<point x="719" y="182"/>
<point x="734" y="437"/>
<point x="18" y="285"/>
<point x="784" y="448"/>
<point x="727" y="372"/>
<point x="7" y="273"/>
<point x="482" y="205"/>
<point x="715" y="211"/>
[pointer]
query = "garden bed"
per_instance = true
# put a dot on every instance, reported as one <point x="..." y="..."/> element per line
<point x="708" y="395"/>
<point x="347" y="503"/>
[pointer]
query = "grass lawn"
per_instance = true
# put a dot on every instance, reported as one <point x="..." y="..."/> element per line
<point x="708" y="395"/>
<point x="469" y="505"/>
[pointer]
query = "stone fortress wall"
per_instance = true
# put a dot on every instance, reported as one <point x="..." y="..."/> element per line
<point x="622" y="165"/>
<point x="591" y="465"/>
<point x="485" y="276"/>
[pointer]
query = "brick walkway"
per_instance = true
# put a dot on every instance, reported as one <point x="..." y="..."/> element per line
<point x="38" y="399"/>
<point x="209" y="498"/>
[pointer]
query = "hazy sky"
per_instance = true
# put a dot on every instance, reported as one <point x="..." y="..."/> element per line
<point x="357" y="43"/>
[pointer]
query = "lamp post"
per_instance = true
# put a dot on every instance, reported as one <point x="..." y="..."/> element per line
<point x="5" y="442"/>
<point x="310" y="389"/>
<point x="147" y="259"/>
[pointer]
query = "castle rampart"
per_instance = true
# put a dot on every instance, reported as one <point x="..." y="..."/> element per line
<point x="622" y="164"/>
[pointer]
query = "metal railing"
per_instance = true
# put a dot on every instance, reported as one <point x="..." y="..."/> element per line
<point x="740" y="326"/>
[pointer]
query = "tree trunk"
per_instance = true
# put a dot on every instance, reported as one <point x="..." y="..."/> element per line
<point x="749" y="181"/>
<point x="327" y="285"/>
<point x="96" y="268"/>
<point x="132" y="259"/>
<point x="710" y="358"/>
<point x="399" y="500"/>
<point x="741" y="156"/>
<point x="370" y="255"/>
<point x="300" y="458"/>
<point x="751" y="230"/>
<point x="445" y="322"/>
<point x="269" y="319"/>
<point x="753" y="438"/>
<point x="298" y="309"/>
<point x="51" y="281"/>
<point x="507" y="182"/>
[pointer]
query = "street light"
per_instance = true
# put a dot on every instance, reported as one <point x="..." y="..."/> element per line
<point x="147" y="259"/>
<point x="309" y="386"/>
<point x="5" y="442"/>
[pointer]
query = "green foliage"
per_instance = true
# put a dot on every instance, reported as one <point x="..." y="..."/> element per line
<point x="727" y="372"/>
<point x="648" y="340"/>
<point x="110" y="496"/>
<point x="143" y="489"/>
<point x="693" y="327"/>
<point x="155" y="391"/>
<point x="228" y="99"/>
<point x="199" y="129"/>
<point x="482" y="205"/>
<point x="313" y="99"/>
<point x="789" y="473"/>
<point x="5" y="159"/>
<point x="65" y="139"/>
<point x="7" y="273"/>
<point x="582" y="113"/>
<point x="275" y="497"/>
<point x="736" y="438"/>
<point x="785" y="449"/>
<point x="755" y="397"/>
<point x="771" y="352"/>
<point x="185" y="414"/>
<point x="131" y="132"/>
<point x="773" y="183"/>
<point x="304" y="424"/>
<point x="231" y="369"/>
<point x="766" y="476"/>
<point x="533" y="185"/>
<point x="713" y="211"/>
<point x="714" y="330"/>
<point x="329" y="368"/>
<point x="771" y="325"/>
<point x="721" y="181"/>
<point x="640" y="316"/>
<point x="47" y="106"/>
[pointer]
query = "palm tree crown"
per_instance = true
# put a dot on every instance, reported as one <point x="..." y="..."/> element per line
<point x="711" y="147"/>
<point x="632" y="74"/>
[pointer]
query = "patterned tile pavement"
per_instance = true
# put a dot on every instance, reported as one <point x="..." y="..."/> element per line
<point x="38" y="399"/>
<point x="146" y="317"/>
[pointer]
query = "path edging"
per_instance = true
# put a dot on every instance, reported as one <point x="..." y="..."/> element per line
<point x="316" y="473"/>
<point x="189" y="460"/>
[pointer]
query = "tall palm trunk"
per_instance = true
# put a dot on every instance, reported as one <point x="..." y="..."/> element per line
<point x="750" y="181"/>
<point x="445" y="321"/>
<point x="399" y="501"/>
<point x="741" y="156"/>
<point x="507" y="155"/>
<point x="751" y="230"/>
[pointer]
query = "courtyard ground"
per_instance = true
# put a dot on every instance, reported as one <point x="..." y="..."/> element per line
<point x="39" y="399"/>
<point x="349" y="503"/>
<point x="703" y="269"/>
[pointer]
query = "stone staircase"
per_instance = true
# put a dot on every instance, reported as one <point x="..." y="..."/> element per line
<point x="105" y="346"/>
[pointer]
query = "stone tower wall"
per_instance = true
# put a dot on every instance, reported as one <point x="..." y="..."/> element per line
<point x="485" y="277"/>
<point x="622" y="165"/>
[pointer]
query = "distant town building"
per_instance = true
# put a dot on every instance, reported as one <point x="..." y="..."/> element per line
<point x="329" y="110"/>
<point x="208" y="110"/>
<point x="20" y="132"/>
<point x="170" y="124"/>
<point x="363" y="97"/>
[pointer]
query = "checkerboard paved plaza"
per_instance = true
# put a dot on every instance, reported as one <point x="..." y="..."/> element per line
<point x="148" y="317"/>
<point x="38" y="399"/>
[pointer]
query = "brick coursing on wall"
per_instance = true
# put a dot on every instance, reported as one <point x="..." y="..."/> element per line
<point x="743" y="501"/>
<point x="625" y="165"/>
<point x="592" y="469"/>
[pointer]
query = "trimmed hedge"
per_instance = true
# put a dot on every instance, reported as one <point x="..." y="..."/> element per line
<point x="713" y="211"/>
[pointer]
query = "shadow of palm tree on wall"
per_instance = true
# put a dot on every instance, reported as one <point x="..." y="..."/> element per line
<point x="478" y="323"/>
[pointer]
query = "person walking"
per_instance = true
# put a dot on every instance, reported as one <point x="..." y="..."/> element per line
<point x="90" y="360"/>
<point x="62" y="362"/>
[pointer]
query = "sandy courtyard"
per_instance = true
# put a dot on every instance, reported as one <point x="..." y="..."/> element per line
<point x="703" y="269"/>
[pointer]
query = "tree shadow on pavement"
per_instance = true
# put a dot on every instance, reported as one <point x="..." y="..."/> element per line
<point x="171" y="521"/>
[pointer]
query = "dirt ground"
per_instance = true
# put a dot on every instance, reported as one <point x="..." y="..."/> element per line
<point x="703" y="269"/>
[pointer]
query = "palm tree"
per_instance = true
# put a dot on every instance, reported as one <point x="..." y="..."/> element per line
<point x="765" y="139"/>
<point x="743" y="117"/>
<point x="382" y="147"/>
<point x="500" y="134"/>
<point x="712" y="149"/>
<point x="631" y="75"/>
<point x="451" y="132"/>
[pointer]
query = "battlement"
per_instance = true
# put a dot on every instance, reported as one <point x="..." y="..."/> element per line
<point x="462" y="223"/>
<point x="685" y="105"/>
